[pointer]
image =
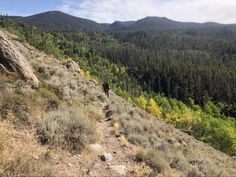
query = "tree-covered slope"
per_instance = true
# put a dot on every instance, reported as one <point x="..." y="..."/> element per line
<point x="59" y="21"/>
<point x="181" y="64"/>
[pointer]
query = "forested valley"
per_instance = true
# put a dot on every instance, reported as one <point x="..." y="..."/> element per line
<point x="181" y="64"/>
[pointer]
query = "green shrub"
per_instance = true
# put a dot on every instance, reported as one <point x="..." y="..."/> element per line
<point x="68" y="130"/>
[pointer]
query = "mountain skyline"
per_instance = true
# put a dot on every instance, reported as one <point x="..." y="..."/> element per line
<point x="108" y="11"/>
<point x="60" y="21"/>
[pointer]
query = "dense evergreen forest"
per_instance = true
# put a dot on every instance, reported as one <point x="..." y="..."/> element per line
<point x="181" y="64"/>
<point x="155" y="70"/>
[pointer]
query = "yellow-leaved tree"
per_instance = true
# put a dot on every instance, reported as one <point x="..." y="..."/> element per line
<point x="86" y="74"/>
<point x="172" y="118"/>
<point x="141" y="102"/>
<point x="190" y="118"/>
<point x="153" y="108"/>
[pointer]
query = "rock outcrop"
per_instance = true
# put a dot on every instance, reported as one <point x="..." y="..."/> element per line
<point x="11" y="60"/>
<point x="72" y="66"/>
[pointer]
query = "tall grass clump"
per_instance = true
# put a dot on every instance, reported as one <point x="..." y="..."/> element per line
<point x="67" y="130"/>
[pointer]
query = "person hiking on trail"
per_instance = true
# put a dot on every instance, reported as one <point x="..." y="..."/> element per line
<point x="106" y="88"/>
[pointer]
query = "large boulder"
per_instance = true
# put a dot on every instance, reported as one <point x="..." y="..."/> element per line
<point x="11" y="60"/>
<point x="72" y="66"/>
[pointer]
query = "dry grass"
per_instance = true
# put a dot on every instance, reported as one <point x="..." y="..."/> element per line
<point x="22" y="163"/>
<point x="123" y="141"/>
<point x="21" y="104"/>
<point x="2" y="141"/>
<point x="179" y="162"/>
<point x="116" y="125"/>
<point x="194" y="172"/>
<point x="17" y="159"/>
<point x="67" y="129"/>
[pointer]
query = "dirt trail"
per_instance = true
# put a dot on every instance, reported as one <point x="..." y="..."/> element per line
<point x="122" y="152"/>
<point x="89" y="163"/>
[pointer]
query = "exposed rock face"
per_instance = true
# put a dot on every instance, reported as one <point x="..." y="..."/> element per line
<point x="72" y="66"/>
<point x="11" y="60"/>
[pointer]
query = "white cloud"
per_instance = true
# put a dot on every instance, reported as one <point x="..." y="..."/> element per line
<point x="182" y="10"/>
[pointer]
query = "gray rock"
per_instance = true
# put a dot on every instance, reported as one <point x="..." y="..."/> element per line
<point x="106" y="157"/>
<point x="185" y="144"/>
<point x="172" y="140"/>
<point x="95" y="83"/>
<point x="97" y="148"/>
<point x="119" y="169"/>
<point x="12" y="60"/>
<point x="42" y="69"/>
<point x="109" y="114"/>
<point x="102" y="98"/>
<point x="72" y="66"/>
<point x="72" y="86"/>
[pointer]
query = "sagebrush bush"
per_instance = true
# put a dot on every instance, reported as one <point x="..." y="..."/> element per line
<point x="194" y="172"/>
<point x="179" y="162"/>
<point x="68" y="130"/>
<point x="16" y="105"/>
<point x="51" y="95"/>
<point x="155" y="159"/>
<point x="139" y="139"/>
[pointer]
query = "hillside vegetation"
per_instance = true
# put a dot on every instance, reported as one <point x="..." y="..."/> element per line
<point x="208" y="124"/>
<point x="67" y="100"/>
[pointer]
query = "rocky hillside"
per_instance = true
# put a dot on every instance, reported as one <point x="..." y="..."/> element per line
<point x="65" y="126"/>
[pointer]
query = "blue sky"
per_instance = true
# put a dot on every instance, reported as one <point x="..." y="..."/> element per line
<point x="222" y="11"/>
<point x="28" y="7"/>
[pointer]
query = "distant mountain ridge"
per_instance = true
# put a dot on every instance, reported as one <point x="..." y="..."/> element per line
<point x="150" y="23"/>
<point x="59" y="21"/>
<point x="120" y="25"/>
